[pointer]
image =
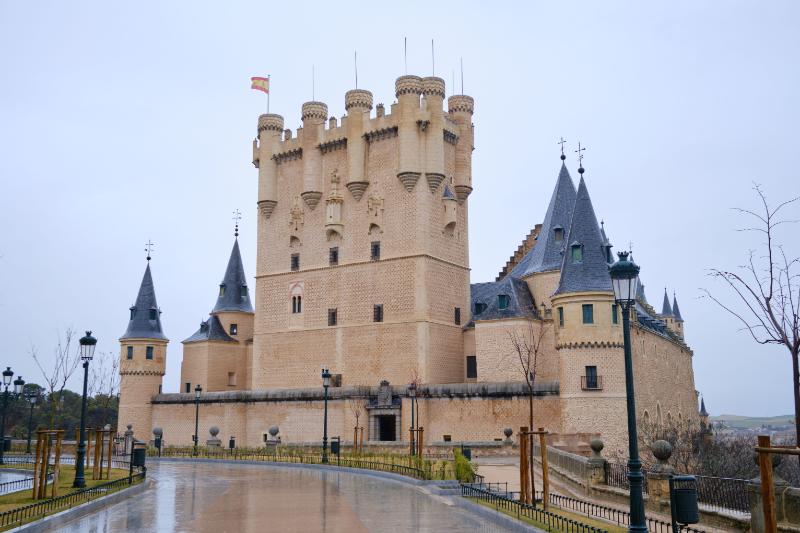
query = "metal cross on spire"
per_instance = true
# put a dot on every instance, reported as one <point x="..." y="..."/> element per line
<point x="562" y="142"/>
<point x="237" y="216"/>
<point x="149" y="248"/>
<point x="580" y="151"/>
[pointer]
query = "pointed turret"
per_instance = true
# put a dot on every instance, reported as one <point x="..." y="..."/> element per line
<point x="584" y="266"/>
<point x="703" y="411"/>
<point x="145" y="320"/>
<point x="233" y="292"/>
<point x="675" y="310"/>
<point x="666" y="310"/>
<point x="640" y="291"/>
<point x="549" y="248"/>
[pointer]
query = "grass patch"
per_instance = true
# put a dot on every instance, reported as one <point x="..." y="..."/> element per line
<point x="611" y="528"/>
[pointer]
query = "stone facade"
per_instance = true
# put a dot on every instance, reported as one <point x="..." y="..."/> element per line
<point x="363" y="268"/>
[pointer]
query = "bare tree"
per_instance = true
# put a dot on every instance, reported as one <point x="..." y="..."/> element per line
<point x="767" y="289"/>
<point x="56" y="374"/>
<point x="526" y="348"/>
<point x="358" y="404"/>
<point x="104" y="378"/>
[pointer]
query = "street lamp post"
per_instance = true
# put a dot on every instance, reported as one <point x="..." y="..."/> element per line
<point x="88" y="344"/>
<point x="625" y="280"/>
<point x="412" y="393"/>
<point x="197" y="391"/>
<point x="326" y="382"/>
<point x="18" y="384"/>
<point x="32" y="397"/>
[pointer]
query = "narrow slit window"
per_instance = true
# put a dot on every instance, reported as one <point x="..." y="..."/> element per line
<point x="561" y="317"/>
<point x="332" y="318"/>
<point x="375" y="250"/>
<point x="588" y="314"/>
<point x="614" y="314"/>
<point x="472" y="367"/>
<point x="457" y="316"/>
<point x="295" y="263"/>
<point x="130" y="352"/>
<point x="377" y="313"/>
<point x="149" y="353"/>
<point x="333" y="256"/>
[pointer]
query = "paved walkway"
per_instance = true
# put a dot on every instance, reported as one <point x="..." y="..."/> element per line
<point x="218" y="498"/>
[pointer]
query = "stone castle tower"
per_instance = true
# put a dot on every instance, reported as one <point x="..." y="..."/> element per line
<point x="143" y="358"/>
<point x="363" y="261"/>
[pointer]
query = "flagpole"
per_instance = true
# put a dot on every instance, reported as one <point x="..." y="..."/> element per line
<point x="267" y="94"/>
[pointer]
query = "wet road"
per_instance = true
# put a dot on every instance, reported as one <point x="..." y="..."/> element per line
<point x="206" y="497"/>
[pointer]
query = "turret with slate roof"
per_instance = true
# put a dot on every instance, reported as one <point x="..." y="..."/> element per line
<point x="666" y="309"/>
<point x="676" y="312"/>
<point x="233" y="292"/>
<point x="145" y="320"/>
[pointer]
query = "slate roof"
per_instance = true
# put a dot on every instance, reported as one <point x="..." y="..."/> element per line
<point x="640" y="291"/>
<point x="448" y="194"/>
<point x="703" y="411"/>
<point x="140" y="326"/>
<point x="547" y="252"/>
<point x="520" y="300"/>
<point x="591" y="273"/>
<point x="666" y="310"/>
<point x="210" y="330"/>
<point x="675" y="311"/>
<point x="236" y="296"/>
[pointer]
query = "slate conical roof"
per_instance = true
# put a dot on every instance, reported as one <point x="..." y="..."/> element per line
<point x="666" y="310"/>
<point x="675" y="310"/>
<point x="234" y="294"/>
<point x="547" y="252"/>
<point x="640" y="291"/>
<point x="590" y="273"/>
<point x="145" y="321"/>
<point x="703" y="411"/>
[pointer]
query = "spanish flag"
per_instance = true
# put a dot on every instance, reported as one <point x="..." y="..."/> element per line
<point x="260" y="84"/>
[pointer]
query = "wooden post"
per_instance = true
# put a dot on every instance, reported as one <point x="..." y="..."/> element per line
<point x="110" y="448"/>
<point x="545" y="477"/>
<point x="411" y="441"/>
<point x="523" y="464"/>
<point x="361" y="442"/>
<point x="57" y="461"/>
<point x="45" y="465"/>
<point x="36" y="464"/>
<point x="419" y="440"/>
<point x="767" y="485"/>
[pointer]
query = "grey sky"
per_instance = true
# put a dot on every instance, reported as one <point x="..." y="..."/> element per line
<point x="126" y="122"/>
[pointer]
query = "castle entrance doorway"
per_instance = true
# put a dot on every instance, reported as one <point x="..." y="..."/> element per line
<point x="387" y="427"/>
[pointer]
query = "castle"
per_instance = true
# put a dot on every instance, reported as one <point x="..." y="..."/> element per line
<point x="363" y="268"/>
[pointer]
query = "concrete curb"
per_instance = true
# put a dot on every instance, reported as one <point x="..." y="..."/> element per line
<point x="52" y="522"/>
<point x="442" y="489"/>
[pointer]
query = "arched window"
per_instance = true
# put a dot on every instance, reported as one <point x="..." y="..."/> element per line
<point x="296" y="294"/>
<point x="297" y="304"/>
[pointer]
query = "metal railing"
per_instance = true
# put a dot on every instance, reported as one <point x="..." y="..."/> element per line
<point x="723" y="493"/>
<point x="617" y="476"/>
<point x="40" y="509"/>
<point x="570" y="462"/>
<point x="551" y="521"/>
<point x="591" y="382"/>
<point x="118" y="461"/>
<point x="610" y="514"/>
<point x="403" y="467"/>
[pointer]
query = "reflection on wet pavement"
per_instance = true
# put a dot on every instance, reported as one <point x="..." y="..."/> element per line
<point x="224" y="497"/>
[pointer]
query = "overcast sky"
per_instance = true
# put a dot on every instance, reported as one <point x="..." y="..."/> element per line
<point x="123" y="122"/>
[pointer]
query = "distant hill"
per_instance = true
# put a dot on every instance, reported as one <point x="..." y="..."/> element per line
<point x="749" y="422"/>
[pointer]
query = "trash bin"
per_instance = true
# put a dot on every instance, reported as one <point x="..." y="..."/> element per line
<point x="139" y="455"/>
<point x="466" y="451"/>
<point x="232" y="443"/>
<point x="335" y="447"/>
<point x="683" y="496"/>
<point x="6" y="444"/>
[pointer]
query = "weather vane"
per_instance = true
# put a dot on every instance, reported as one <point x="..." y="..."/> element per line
<point x="579" y="151"/>
<point x="561" y="142"/>
<point x="149" y="248"/>
<point x="237" y="216"/>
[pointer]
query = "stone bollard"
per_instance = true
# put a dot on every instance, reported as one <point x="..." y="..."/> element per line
<point x="273" y="439"/>
<point x="129" y="440"/>
<point x="214" y="442"/>
<point x="756" y="503"/>
<point x="508" y="432"/>
<point x="658" y="478"/>
<point x="597" y="465"/>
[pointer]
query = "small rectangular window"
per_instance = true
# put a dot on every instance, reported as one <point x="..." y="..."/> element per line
<point x="333" y="256"/>
<point x="188" y="387"/>
<point x="561" y="317"/>
<point x="295" y="262"/>
<point x="480" y="307"/>
<point x="591" y="380"/>
<point x="159" y="389"/>
<point x="153" y="314"/>
<point x="577" y="253"/>
<point x="297" y="304"/>
<point x="243" y="291"/>
<point x="332" y="317"/>
<point x="234" y="329"/>
<point x="614" y="317"/>
<point x="457" y="316"/>
<point x="503" y="301"/>
<point x="588" y="314"/>
<point x="130" y="352"/>
<point x="221" y="290"/>
<point x="133" y="312"/>
<point x="472" y="367"/>
<point x="149" y="353"/>
<point x="231" y="379"/>
<point x="375" y="250"/>
<point x="377" y="313"/>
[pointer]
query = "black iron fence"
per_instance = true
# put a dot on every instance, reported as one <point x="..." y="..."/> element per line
<point x="723" y="493"/>
<point x="26" y="460"/>
<point x="403" y="466"/>
<point x="610" y="514"/>
<point x="41" y="509"/>
<point x="552" y="521"/>
<point x="617" y="476"/>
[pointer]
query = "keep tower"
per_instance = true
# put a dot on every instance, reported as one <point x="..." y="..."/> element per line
<point x="363" y="258"/>
<point x="143" y="358"/>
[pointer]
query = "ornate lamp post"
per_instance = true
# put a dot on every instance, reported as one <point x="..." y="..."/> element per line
<point x="31" y="397"/>
<point x="412" y="393"/>
<point x="88" y="344"/>
<point x="326" y="382"/>
<point x="18" y="384"/>
<point x="197" y="391"/>
<point x="625" y="280"/>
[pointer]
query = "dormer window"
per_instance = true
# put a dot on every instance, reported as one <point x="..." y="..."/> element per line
<point x="480" y="307"/>
<point x="243" y="291"/>
<point x="558" y="233"/>
<point x="577" y="252"/>
<point x="153" y="313"/>
<point x="222" y="290"/>
<point x="503" y="301"/>
<point x="133" y="312"/>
